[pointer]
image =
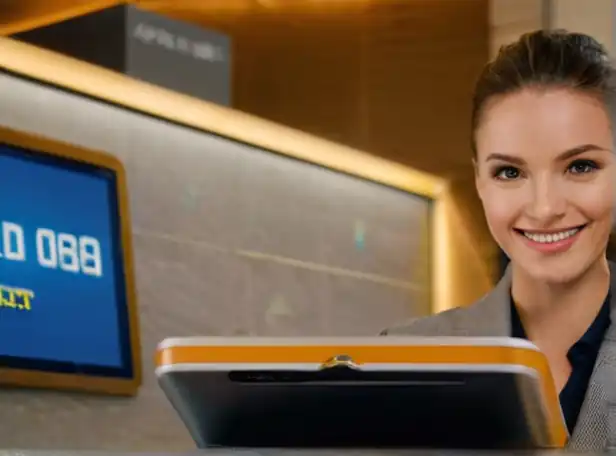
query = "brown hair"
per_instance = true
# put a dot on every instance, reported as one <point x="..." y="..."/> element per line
<point x="545" y="59"/>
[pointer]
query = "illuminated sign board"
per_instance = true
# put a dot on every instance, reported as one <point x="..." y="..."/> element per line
<point x="67" y="299"/>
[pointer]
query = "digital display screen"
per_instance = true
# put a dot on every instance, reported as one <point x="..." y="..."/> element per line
<point x="63" y="303"/>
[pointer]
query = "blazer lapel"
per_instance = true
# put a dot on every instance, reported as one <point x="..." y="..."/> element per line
<point x="596" y="426"/>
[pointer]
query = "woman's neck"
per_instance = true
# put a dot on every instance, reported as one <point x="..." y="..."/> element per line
<point x="559" y="314"/>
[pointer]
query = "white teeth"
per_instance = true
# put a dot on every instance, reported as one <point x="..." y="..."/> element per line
<point x="549" y="238"/>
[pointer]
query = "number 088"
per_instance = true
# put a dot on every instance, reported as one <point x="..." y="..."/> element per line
<point x="68" y="252"/>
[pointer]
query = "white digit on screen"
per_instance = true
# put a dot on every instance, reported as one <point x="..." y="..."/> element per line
<point x="46" y="248"/>
<point x="67" y="252"/>
<point x="13" y="240"/>
<point x="90" y="254"/>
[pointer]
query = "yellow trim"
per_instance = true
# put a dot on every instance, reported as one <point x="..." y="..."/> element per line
<point x="389" y="354"/>
<point x="79" y="382"/>
<point x="449" y="271"/>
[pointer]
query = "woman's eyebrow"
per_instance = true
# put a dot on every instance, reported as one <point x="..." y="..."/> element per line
<point x="575" y="151"/>
<point x="507" y="158"/>
<point x="567" y="154"/>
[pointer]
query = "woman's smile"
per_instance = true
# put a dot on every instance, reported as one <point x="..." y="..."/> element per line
<point x="551" y="241"/>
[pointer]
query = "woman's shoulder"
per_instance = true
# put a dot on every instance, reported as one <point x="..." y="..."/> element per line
<point x="441" y="324"/>
<point x="488" y="317"/>
<point x="461" y="321"/>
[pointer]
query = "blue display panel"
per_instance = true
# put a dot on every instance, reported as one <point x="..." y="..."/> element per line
<point x="63" y="301"/>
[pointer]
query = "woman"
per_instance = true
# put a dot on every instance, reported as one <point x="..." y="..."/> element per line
<point x="545" y="172"/>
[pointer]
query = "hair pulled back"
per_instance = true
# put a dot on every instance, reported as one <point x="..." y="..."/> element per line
<point x="545" y="59"/>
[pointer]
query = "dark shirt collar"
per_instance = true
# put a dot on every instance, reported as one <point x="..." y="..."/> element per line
<point x="593" y="337"/>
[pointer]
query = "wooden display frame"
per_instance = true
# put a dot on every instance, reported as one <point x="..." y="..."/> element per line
<point x="35" y="378"/>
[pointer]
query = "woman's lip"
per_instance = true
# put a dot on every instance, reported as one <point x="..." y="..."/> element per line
<point x="552" y="247"/>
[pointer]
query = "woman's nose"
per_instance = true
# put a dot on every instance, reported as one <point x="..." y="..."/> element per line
<point x="547" y="203"/>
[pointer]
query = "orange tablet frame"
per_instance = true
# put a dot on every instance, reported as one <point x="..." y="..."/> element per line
<point x="175" y="354"/>
<point x="77" y="382"/>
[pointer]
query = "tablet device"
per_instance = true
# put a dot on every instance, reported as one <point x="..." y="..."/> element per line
<point x="468" y="393"/>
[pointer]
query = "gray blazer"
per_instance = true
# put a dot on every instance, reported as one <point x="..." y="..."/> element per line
<point x="490" y="317"/>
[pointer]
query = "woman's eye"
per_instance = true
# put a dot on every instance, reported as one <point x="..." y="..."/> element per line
<point x="507" y="173"/>
<point x="582" y="167"/>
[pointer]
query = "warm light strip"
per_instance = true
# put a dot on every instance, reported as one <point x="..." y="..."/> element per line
<point x="81" y="77"/>
<point x="242" y="6"/>
<point x="114" y="87"/>
<point x="442" y="273"/>
<point x="36" y="20"/>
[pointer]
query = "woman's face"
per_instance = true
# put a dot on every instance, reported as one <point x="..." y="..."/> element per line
<point x="545" y="175"/>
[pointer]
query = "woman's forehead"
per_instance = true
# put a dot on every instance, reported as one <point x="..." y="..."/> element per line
<point x="541" y="123"/>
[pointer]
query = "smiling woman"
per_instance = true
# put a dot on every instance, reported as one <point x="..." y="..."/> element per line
<point x="545" y="168"/>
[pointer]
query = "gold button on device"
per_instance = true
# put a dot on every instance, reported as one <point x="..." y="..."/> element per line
<point x="340" y="361"/>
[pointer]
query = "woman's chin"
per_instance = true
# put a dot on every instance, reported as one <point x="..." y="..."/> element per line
<point x="558" y="272"/>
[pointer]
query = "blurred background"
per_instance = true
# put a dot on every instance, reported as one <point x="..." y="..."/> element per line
<point x="240" y="226"/>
